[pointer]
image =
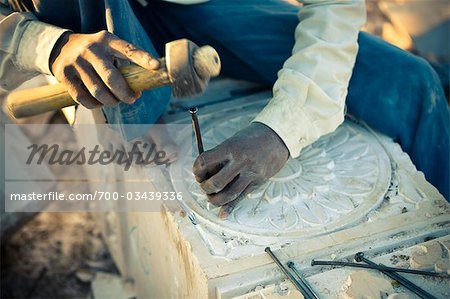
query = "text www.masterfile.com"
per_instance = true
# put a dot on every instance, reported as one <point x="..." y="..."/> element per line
<point x="97" y="195"/>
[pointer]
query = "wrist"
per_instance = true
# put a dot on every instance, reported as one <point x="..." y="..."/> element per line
<point x="270" y="134"/>
<point x="57" y="48"/>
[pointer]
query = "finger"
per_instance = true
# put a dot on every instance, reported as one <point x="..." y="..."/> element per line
<point x="208" y="164"/>
<point x="114" y="80"/>
<point x="228" y="208"/>
<point x="78" y="91"/>
<point x="95" y="84"/>
<point x="231" y="191"/>
<point x="221" y="179"/>
<point x="125" y="50"/>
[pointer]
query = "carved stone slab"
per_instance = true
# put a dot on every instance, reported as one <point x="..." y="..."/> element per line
<point x="334" y="183"/>
<point x="394" y="208"/>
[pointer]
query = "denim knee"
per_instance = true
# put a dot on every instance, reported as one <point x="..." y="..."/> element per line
<point x="421" y="74"/>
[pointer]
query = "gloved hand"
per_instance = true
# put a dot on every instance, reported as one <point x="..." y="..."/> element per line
<point x="85" y="64"/>
<point x="239" y="165"/>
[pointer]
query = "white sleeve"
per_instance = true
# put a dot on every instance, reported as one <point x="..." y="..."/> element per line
<point x="309" y="94"/>
<point x="25" y="47"/>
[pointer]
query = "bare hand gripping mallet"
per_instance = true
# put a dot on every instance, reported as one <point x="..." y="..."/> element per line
<point x="187" y="68"/>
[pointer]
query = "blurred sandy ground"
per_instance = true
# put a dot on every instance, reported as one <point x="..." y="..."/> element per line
<point x="55" y="254"/>
<point x="419" y="26"/>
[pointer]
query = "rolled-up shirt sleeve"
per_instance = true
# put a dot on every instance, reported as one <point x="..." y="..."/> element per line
<point x="309" y="94"/>
<point x="25" y="47"/>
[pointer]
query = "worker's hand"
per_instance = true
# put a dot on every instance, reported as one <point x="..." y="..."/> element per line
<point x="239" y="165"/>
<point x="85" y="64"/>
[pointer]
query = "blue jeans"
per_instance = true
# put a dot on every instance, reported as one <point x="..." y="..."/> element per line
<point x="393" y="91"/>
<point x="121" y="20"/>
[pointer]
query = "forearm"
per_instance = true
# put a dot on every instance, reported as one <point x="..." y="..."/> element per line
<point x="309" y="95"/>
<point x="25" y="47"/>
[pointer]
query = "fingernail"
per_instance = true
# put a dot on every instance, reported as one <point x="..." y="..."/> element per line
<point x="223" y="215"/>
<point x="225" y="211"/>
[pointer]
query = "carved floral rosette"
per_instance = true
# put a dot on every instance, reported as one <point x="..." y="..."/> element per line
<point x="334" y="183"/>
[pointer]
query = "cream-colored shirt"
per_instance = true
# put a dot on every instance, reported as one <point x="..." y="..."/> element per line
<point x="308" y="96"/>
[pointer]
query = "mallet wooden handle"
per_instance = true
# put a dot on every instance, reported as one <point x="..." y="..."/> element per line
<point x="205" y="60"/>
<point x="29" y="102"/>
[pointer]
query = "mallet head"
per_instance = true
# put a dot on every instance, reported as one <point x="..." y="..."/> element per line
<point x="190" y="67"/>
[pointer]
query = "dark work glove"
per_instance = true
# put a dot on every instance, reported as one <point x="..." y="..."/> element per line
<point x="84" y="63"/>
<point x="239" y="165"/>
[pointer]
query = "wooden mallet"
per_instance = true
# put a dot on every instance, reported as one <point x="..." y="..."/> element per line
<point x="186" y="67"/>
